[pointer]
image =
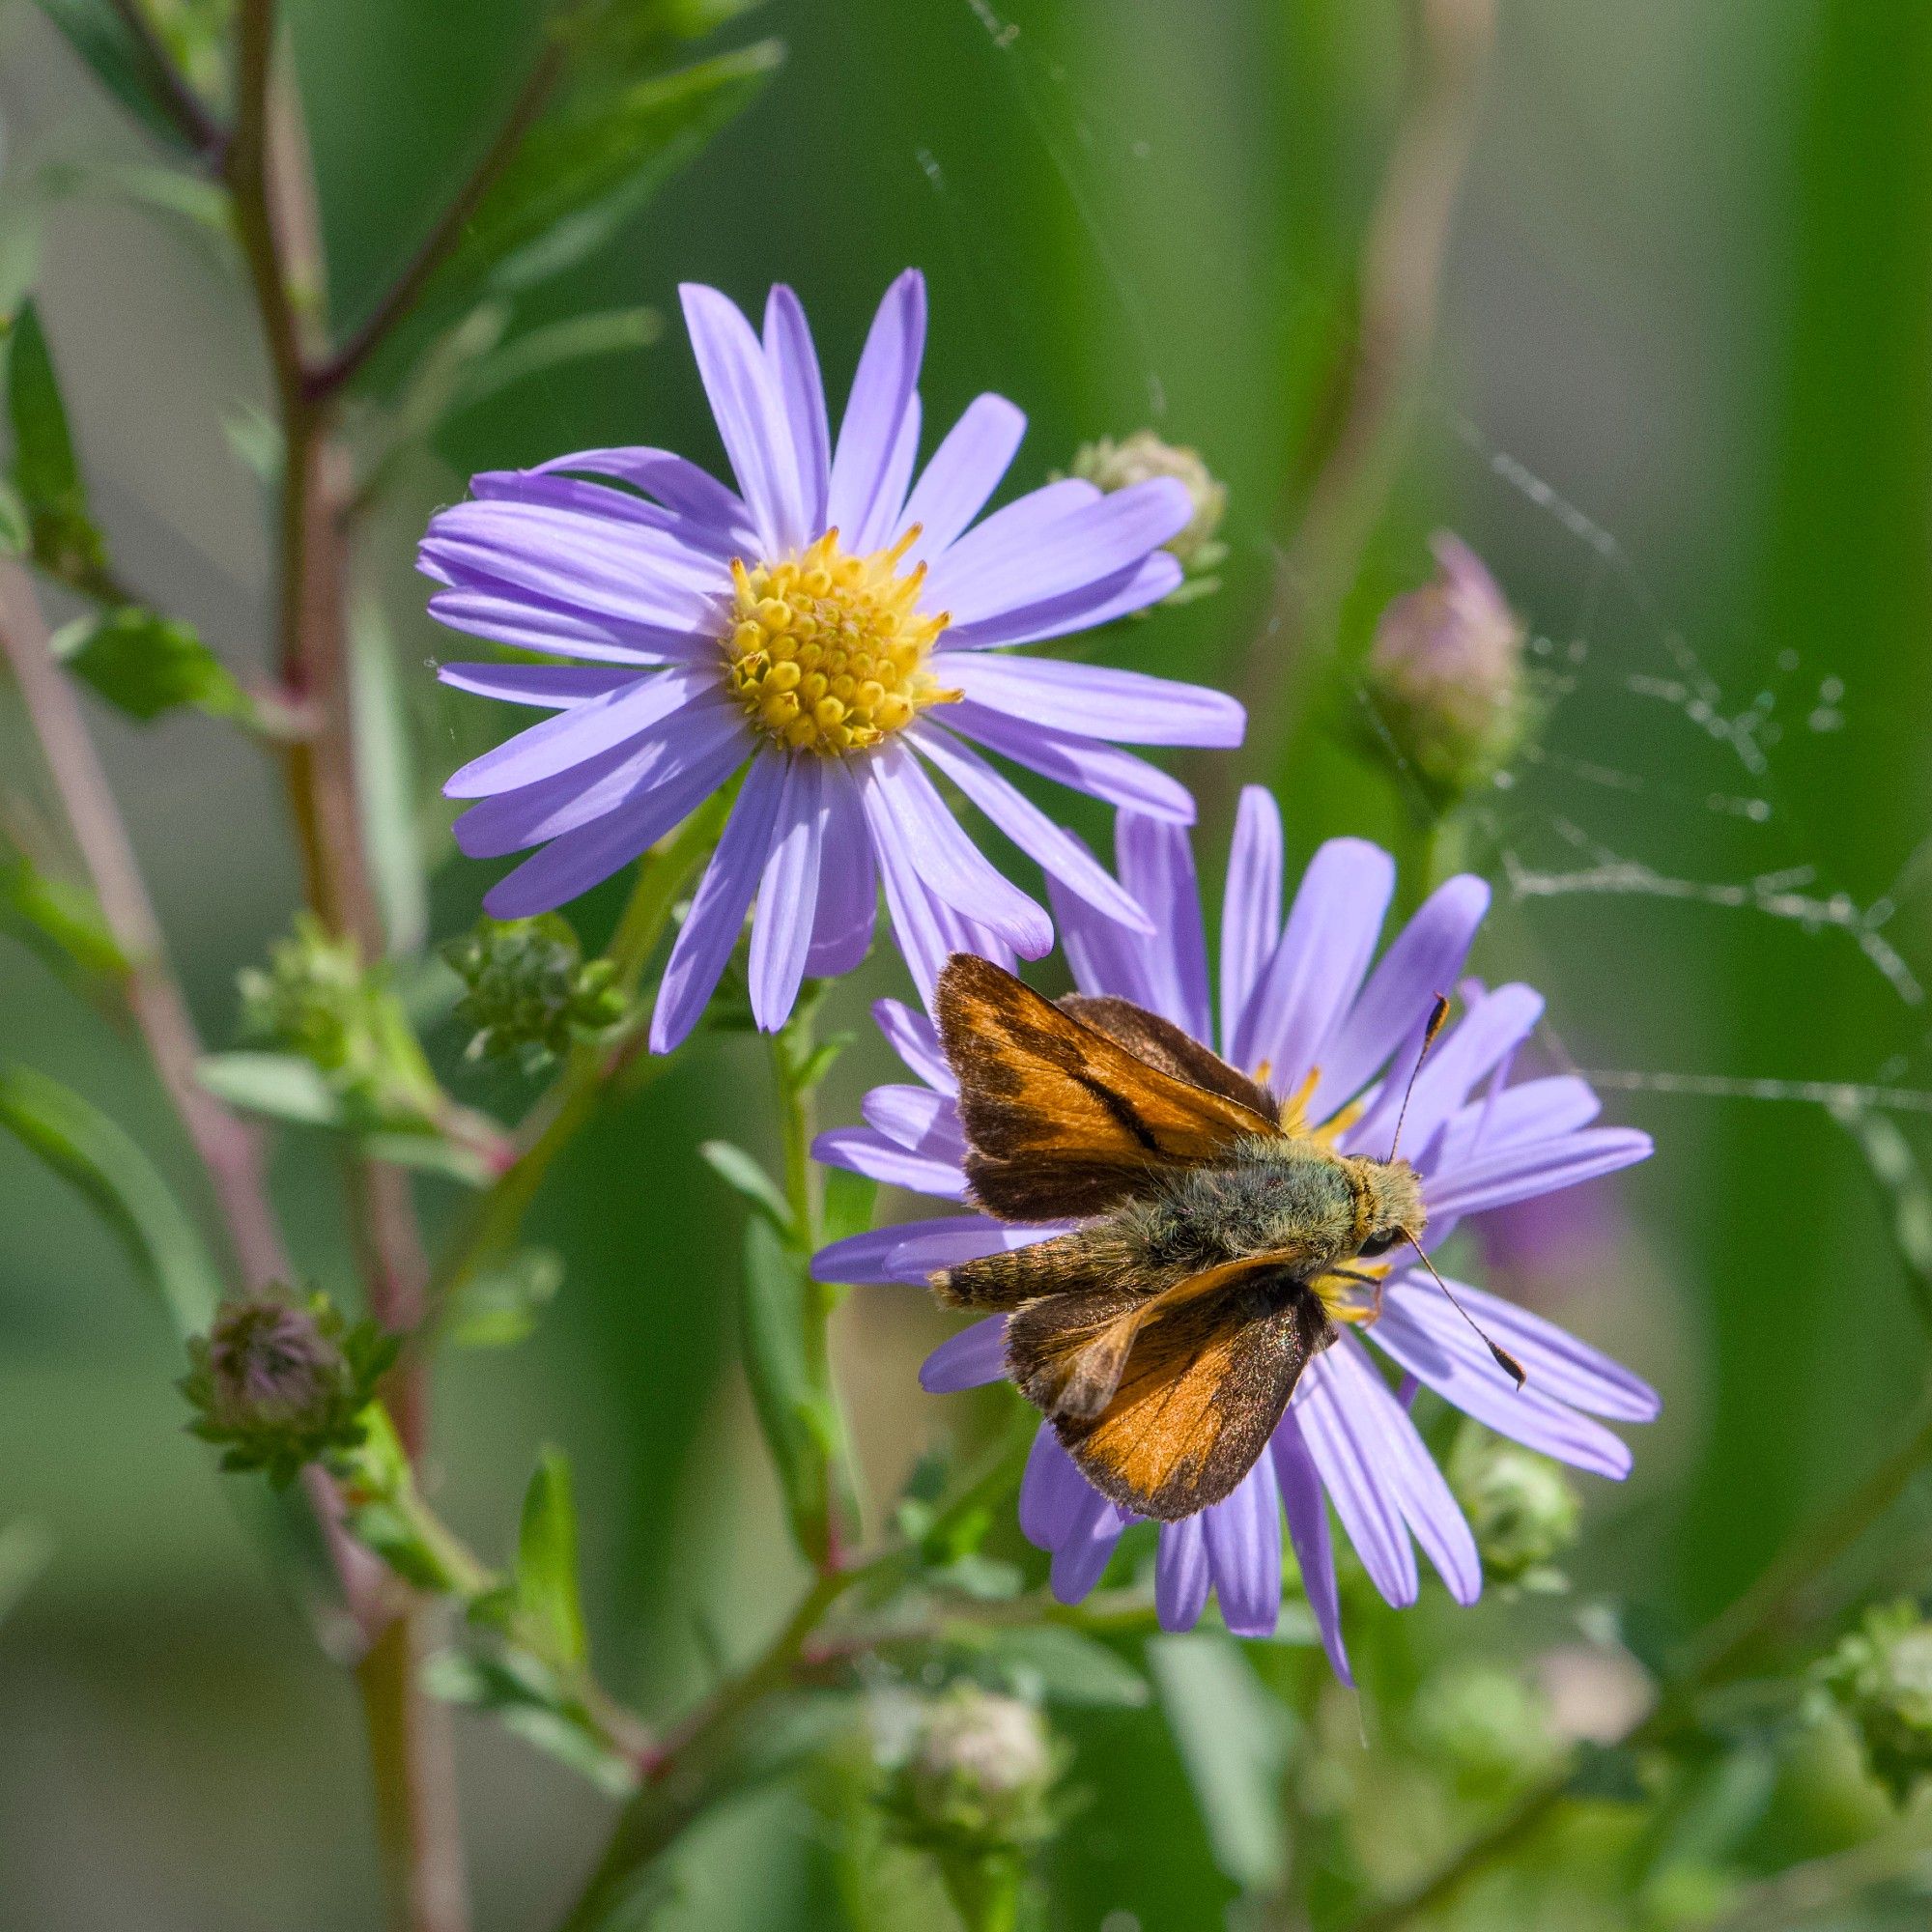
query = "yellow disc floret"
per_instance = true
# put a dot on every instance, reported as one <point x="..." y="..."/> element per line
<point x="828" y="652"/>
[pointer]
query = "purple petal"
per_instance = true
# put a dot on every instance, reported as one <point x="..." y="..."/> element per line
<point x="788" y="893"/>
<point x="652" y="774"/>
<point x="1563" y="1368"/>
<point x="927" y="931"/>
<point x="1243" y="1537"/>
<point x="1086" y="608"/>
<point x="507" y="618"/>
<point x="867" y="1151"/>
<point x="1156" y="862"/>
<point x="1307" y="1511"/>
<point x="596" y="725"/>
<point x="1532" y="1110"/>
<point x="600" y="499"/>
<point x="897" y="794"/>
<point x="1181" y="1576"/>
<point x="1103" y="954"/>
<point x="1099" y="770"/>
<point x="794" y="364"/>
<point x="849" y="887"/>
<point x="1094" y="702"/>
<point x="749" y="412"/>
<point x="882" y="390"/>
<point x="554" y="686"/>
<point x="970" y="1359"/>
<point x="1250" y="904"/>
<point x="917" y="1118"/>
<point x="675" y="481"/>
<point x="1051" y="846"/>
<point x="1054" y="1495"/>
<point x="1534" y="1166"/>
<point x="1055" y="540"/>
<point x="1491" y="1029"/>
<point x="1388" y="1018"/>
<point x="1319" y="962"/>
<point x="964" y="471"/>
<point x="915" y="1040"/>
<point x="1461" y="1371"/>
<point x="1081" y="1559"/>
<point x="1409" y="1470"/>
<point x="884" y="515"/>
<point x="1346" y="1440"/>
<point x="910" y="1253"/>
<point x="863" y="1259"/>
<point x="717" y="914"/>
<point x="577" y="859"/>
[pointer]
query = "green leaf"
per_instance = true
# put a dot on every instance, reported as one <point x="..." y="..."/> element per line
<point x="17" y="530"/>
<point x="45" y="472"/>
<point x="58" y="916"/>
<point x="118" y="60"/>
<point x="499" y="1306"/>
<point x="144" y="664"/>
<point x="279" y="1086"/>
<point x="798" y="1430"/>
<point x="527" y="1699"/>
<point x="422" y="1147"/>
<point x="582" y="171"/>
<point x="548" y="1604"/>
<point x="1232" y="1738"/>
<point x="1051" y="1663"/>
<point x="84" y="1146"/>
<point x="743" y="1175"/>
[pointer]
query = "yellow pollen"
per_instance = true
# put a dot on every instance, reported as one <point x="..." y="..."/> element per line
<point x="1295" y="1110"/>
<point x="1343" y="1300"/>
<point x="828" y="652"/>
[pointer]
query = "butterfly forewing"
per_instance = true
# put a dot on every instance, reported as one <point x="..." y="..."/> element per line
<point x="1062" y="1121"/>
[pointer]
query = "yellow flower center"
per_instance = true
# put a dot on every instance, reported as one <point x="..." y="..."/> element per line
<point x="828" y="652"/>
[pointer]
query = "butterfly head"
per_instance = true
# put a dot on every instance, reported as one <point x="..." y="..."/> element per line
<point x="1388" y="1203"/>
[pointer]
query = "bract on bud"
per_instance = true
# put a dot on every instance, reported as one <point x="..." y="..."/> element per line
<point x="1446" y="673"/>
<point x="529" y="989"/>
<point x="1522" y="1507"/>
<point x="280" y="1382"/>
<point x="1880" y="1678"/>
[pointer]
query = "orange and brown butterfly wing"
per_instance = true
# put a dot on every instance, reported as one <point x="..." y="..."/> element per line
<point x="1202" y="1384"/>
<point x="1161" y="1043"/>
<point x="1062" y="1120"/>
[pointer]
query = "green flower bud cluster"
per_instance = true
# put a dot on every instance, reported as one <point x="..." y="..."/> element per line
<point x="1112" y="466"/>
<point x="1880" y="1677"/>
<point x="976" y="1776"/>
<point x="280" y="1384"/>
<point x="1523" y="1509"/>
<point x="1445" y="674"/>
<point x="317" y="1001"/>
<point x="529" y="990"/>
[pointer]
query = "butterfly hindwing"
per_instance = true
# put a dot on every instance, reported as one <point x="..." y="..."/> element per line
<point x="1062" y="1121"/>
<point x="1201" y="1386"/>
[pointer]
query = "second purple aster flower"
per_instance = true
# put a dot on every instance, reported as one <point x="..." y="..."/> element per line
<point x="833" y="628"/>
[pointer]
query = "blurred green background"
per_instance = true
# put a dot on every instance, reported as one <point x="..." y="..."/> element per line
<point x="1688" y="291"/>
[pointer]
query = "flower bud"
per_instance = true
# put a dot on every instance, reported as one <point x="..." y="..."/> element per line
<point x="1880" y="1678"/>
<point x="280" y="1384"/>
<point x="1522" y="1507"/>
<point x="529" y="989"/>
<point x="976" y="1776"/>
<point x="1112" y="466"/>
<point x="1445" y="673"/>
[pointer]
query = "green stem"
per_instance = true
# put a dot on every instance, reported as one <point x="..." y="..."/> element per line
<point x="494" y="1218"/>
<point x="1756" y="1616"/>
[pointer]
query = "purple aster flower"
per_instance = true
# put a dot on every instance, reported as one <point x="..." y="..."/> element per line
<point x="1301" y="1008"/>
<point x="836" y="629"/>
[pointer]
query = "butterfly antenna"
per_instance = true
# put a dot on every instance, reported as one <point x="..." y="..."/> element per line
<point x="1438" y="1014"/>
<point x="1505" y="1361"/>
